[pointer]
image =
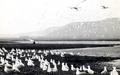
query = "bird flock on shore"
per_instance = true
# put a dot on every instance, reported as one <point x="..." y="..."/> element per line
<point x="45" y="61"/>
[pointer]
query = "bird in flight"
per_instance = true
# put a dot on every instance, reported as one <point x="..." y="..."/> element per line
<point x="75" y="8"/>
<point x="105" y="7"/>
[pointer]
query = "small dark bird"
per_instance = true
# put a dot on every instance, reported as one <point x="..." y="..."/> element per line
<point x="75" y="8"/>
<point x="104" y="7"/>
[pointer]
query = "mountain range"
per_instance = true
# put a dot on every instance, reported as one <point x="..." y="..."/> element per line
<point x="107" y="29"/>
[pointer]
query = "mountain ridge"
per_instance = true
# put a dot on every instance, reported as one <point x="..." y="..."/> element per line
<point x="107" y="29"/>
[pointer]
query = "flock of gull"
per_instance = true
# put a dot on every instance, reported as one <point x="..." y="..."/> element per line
<point x="43" y="61"/>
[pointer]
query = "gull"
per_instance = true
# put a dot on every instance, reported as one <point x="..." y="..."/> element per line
<point x="4" y="50"/>
<point x="80" y="68"/>
<point x="114" y="72"/>
<point x="54" y="69"/>
<point x="104" y="7"/>
<point x="78" y="72"/>
<point x="8" y="68"/>
<point x="104" y="70"/>
<point x="72" y="68"/>
<point x="90" y="71"/>
<point x="20" y="64"/>
<point x="75" y="8"/>
<point x="58" y="63"/>
<point x="64" y="67"/>
<point x="49" y="68"/>
<point x="44" y="67"/>
<point x="2" y="61"/>
<point x="1" y="52"/>
<point x="15" y="67"/>
<point x="84" y="68"/>
<point x="30" y="62"/>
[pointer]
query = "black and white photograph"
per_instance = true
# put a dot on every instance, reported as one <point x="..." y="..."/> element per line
<point x="59" y="37"/>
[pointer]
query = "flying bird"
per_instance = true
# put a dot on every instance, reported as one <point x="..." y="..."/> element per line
<point x="75" y="8"/>
<point x="105" y="7"/>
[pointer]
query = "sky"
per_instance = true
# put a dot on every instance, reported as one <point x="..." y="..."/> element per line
<point x="23" y="16"/>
